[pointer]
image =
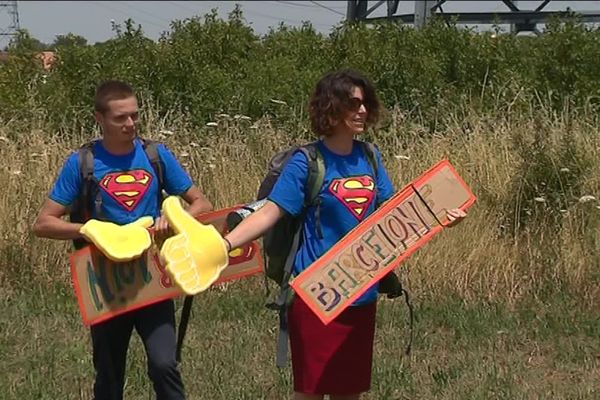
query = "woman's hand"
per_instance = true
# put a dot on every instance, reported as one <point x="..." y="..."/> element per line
<point x="455" y="216"/>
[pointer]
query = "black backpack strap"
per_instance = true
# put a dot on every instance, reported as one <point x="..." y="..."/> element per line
<point x="314" y="183"/>
<point x="370" y="151"/>
<point x="86" y="166"/>
<point x="390" y="284"/>
<point x="151" y="149"/>
<point x="285" y="297"/>
<point x="183" y="323"/>
<point x="316" y="172"/>
<point x="89" y="198"/>
<point x="316" y="177"/>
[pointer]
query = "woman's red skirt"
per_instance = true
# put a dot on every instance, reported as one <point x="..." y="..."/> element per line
<point x="334" y="358"/>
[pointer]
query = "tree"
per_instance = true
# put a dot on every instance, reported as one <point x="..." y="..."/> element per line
<point x="69" y="40"/>
<point x="24" y="42"/>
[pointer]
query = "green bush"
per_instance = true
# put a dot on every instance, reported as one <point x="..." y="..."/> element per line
<point x="206" y="65"/>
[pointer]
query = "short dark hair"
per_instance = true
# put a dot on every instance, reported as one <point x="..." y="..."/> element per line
<point x="331" y="99"/>
<point x="111" y="90"/>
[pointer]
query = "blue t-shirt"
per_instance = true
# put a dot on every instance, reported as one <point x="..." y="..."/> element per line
<point x="128" y="183"/>
<point x="350" y="193"/>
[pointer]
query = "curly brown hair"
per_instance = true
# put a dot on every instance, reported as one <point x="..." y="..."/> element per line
<point x="332" y="99"/>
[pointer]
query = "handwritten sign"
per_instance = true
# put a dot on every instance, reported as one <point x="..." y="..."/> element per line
<point x="380" y="243"/>
<point x="106" y="289"/>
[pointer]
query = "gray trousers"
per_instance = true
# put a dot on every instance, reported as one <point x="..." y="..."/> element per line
<point x="110" y="340"/>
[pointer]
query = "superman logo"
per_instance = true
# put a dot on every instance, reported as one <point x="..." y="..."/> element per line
<point x="127" y="188"/>
<point x="241" y="254"/>
<point x="356" y="193"/>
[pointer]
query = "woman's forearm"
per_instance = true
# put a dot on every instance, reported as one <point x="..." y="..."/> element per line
<point x="255" y="225"/>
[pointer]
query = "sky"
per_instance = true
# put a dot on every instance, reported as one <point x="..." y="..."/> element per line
<point x="92" y="19"/>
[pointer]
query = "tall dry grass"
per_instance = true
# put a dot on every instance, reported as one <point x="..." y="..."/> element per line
<point x="492" y="255"/>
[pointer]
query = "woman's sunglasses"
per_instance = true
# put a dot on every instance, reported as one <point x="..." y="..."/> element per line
<point x="354" y="103"/>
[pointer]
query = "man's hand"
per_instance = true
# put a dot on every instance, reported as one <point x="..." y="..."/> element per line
<point x="162" y="230"/>
<point x="455" y="216"/>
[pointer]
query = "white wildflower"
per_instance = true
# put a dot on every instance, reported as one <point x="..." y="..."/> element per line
<point x="586" y="198"/>
<point x="212" y="124"/>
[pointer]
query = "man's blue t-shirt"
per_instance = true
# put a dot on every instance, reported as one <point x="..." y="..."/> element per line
<point x="128" y="183"/>
<point x="350" y="193"/>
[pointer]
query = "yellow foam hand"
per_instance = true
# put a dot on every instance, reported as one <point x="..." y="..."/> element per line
<point x="196" y="255"/>
<point x="119" y="243"/>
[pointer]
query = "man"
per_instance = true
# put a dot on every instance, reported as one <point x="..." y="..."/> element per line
<point x="120" y="156"/>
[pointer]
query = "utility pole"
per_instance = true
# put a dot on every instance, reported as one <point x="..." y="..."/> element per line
<point x="423" y="10"/>
<point x="514" y="28"/>
<point x="9" y="22"/>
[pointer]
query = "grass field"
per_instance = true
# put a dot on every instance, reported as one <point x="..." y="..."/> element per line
<point x="506" y="303"/>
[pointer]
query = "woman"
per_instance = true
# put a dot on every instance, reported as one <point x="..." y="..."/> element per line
<point x="333" y="359"/>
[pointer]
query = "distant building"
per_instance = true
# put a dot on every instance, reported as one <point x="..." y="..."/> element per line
<point x="48" y="58"/>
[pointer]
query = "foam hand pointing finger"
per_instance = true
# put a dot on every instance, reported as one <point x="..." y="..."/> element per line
<point x="196" y="255"/>
<point x="119" y="243"/>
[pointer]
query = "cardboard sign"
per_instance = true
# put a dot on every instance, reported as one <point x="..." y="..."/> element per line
<point x="381" y="242"/>
<point x="106" y="289"/>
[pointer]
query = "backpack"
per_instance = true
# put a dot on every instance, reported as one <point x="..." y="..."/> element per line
<point x="90" y="199"/>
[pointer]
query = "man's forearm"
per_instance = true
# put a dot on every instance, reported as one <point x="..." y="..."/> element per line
<point x="57" y="228"/>
<point x="199" y="206"/>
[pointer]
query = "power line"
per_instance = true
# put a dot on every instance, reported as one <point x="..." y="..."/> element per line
<point x="143" y="12"/>
<point x="106" y="6"/>
<point x="328" y="8"/>
<point x="272" y="17"/>
<point x="182" y="7"/>
<point x="292" y="3"/>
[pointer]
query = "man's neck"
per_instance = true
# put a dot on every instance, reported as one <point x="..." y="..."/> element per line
<point x="118" y="149"/>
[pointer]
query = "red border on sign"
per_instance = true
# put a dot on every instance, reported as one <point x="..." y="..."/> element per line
<point x="109" y="314"/>
<point x="86" y="251"/>
<point x="360" y="229"/>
